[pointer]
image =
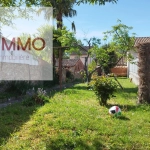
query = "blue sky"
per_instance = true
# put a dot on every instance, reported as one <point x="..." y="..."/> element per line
<point x="93" y="20"/>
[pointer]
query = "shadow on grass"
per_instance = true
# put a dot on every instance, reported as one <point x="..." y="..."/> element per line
<point x="130" y="90"/>
<point x="12" y="118"/>
<point x="80" y="87"/>
<point x="59" y="144"/>
<point x="122" y="117"/>
<point x="125" y="107"/>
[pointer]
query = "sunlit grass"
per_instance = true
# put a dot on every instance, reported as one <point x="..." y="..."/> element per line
<point x="73" y="119"/>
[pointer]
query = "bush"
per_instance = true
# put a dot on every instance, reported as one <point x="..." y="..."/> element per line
<point x="39" y="98"/>
<point x="28" y="101"/>
<point x="104" y="87"/>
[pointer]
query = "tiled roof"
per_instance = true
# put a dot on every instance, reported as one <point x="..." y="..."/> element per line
<point x="67" y="62"/>
<point x="141" y="40"/>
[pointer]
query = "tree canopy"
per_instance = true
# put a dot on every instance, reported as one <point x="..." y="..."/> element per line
<point x="106" y="56"/>
<point x="99" y="2"/>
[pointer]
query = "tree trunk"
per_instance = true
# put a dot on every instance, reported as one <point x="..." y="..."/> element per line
<point x="59" y="26"/>
<point x="86" y="68"/>
<point x="143" y="72"/>
<point x="60" y="68"/>
<point x="59" y="21"/>
<point x="103" y="101"/>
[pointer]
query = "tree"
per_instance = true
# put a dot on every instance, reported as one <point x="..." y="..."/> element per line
<point x="9" y="14"/>
<point x="105" y="57"/>
<point x="99" y="2"/>
<point x="121" y="43"/>
<point x="61" y="8"/>
<point x="78" y="2"/>
<point x="8" y="3"/>
<point x="61" y="38"/>
<point x="91" y="43"/>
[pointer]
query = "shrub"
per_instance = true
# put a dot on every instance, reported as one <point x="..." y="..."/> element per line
<point x="104" y="87"/>
<point x="28" y="101"/>
<point x="39" y="98"/>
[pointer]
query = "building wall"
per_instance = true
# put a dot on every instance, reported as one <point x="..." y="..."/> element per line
<point x="79" y="67"/>
<point x="22" y="65"/>
<point x="119" y="71"/>
<point x="82" y="58"/>
<point x="11" y="71"/>
<point x="133" y="72"/>
<point x="133" y="69"/>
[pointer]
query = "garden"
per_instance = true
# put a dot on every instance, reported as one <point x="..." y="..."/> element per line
<point x="73" y="119"/>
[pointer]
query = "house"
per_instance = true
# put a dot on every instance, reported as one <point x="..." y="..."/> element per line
<point x="19" y="64"/>
<point x="133" y="66"/>
<point x="83" y="52"/>
<point x="74" y="66"/>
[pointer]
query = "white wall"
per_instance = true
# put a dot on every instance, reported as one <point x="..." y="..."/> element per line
<point x="133" y="69"/>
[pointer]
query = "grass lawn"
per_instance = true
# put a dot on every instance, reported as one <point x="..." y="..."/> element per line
<point x="73" y="119"/>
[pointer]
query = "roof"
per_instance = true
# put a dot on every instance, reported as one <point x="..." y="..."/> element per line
<point x="141" y="40"/>
<point x="67" y="62"/>
<point x="83" y="51"/>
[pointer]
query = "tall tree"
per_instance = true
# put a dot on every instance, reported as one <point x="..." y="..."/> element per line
<point x="92" y="42"/>
<point x="121" y="43"/>
<point x="99" y="2"/>
<point x="61" y="8"/>
<point x="122" y="40"/>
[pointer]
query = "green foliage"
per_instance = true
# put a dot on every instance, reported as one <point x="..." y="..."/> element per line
<point x="92" y="66"/>
<point x="9" y="14"/>
<point x="62" y="8"/>
<point x="122" y="41"/>
<point x="104" y="87"/>
<point x="64" y="38"/>
<point x="67" y="38"/>
<point x="28" y="101"/>
<point x="105" y="57"/>
<point x="99" y="2"/>
<point x="108" y="55"/>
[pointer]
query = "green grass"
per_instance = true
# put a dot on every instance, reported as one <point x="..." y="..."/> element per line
<point x="73" y="119"/>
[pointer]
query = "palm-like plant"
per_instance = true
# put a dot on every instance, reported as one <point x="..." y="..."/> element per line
<point x="61" y="8"/>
